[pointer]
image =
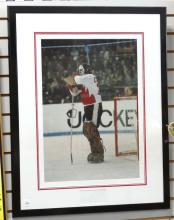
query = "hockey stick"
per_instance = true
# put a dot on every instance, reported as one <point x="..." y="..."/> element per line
<point x="72" y="103"/>
<point x="73" y="115"/>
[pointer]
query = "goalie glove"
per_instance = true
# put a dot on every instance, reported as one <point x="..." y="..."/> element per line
<point x="74" y="91"/>
<point x="70" y="81"/>
<point x="72" y="86"/>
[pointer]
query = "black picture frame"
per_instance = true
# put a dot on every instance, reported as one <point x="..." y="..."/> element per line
<point x="20" y="133"/>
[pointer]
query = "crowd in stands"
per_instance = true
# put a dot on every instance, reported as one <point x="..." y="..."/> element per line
<point x="115" y="67"/>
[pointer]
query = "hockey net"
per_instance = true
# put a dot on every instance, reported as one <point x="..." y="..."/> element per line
<point x="126" y="125"/>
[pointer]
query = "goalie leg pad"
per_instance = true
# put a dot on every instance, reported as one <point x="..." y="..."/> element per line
<point x="91" y="133"/>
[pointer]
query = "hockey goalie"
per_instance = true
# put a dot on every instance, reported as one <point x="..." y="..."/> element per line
<point x="84" y="83"/>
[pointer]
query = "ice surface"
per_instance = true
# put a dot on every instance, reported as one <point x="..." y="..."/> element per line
<point x="58" y="167"/>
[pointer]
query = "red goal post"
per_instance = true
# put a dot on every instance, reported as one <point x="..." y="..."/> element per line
<point x="126" y="125"/>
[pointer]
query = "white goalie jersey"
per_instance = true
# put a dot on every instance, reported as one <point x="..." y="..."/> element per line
<point x="90" y="93"/>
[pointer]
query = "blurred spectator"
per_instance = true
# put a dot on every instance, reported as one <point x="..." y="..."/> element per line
<point x="128" y="91"/>
<point x="115" y="66"/>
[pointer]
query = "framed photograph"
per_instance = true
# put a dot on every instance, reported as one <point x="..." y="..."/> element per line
<point x="88" y="109"/>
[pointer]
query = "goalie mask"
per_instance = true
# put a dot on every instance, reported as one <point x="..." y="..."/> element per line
<point x="84" y="69"/>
